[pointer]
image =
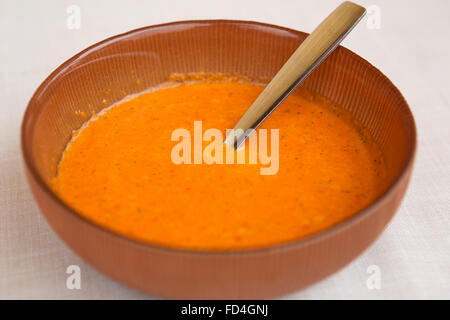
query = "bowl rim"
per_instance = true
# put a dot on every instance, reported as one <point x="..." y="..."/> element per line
<point x="287" y="245"/>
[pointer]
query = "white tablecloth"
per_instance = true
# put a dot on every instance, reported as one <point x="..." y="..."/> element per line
<point x="411" y="47"/>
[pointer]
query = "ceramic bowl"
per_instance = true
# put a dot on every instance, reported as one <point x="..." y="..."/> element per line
<point x="140" y="59"/>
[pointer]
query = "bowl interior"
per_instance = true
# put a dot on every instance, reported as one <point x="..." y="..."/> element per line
<point x="107" y="72"/>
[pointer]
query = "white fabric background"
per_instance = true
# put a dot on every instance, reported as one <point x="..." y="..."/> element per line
<point x="412" y="48"/>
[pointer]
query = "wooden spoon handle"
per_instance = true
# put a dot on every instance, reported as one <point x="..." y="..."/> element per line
<point x="314" y="49"/>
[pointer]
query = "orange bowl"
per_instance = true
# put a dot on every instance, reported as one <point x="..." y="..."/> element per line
<point x="140" y="59"/>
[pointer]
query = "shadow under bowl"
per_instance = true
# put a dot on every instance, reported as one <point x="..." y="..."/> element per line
<point x="140" y="59"/>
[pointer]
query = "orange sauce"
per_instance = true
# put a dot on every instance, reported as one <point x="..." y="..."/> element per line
<point x="117" y="171"/>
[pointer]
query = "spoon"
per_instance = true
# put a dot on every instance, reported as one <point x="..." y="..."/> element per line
<point x="308" y="56"/>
